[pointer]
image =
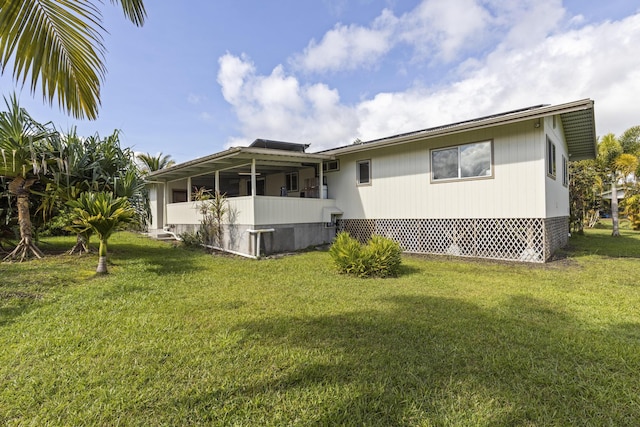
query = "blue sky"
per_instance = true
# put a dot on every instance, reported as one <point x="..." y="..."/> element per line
<point x="202" y="78"/>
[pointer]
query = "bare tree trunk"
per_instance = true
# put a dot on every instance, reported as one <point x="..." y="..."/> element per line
<point x="26" y="247"/>
<point x="614" y="210"/>
<point x="102" y="259"/>
<point x="81" y="246"/>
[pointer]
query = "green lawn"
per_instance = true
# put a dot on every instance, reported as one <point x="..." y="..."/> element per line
<point x="178" y="337"/>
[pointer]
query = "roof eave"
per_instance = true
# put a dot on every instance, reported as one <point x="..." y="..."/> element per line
<point x="580" y="105"/>
<point x="188" y="168"/>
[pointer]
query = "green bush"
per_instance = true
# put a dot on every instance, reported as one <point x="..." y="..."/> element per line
<point x="383" y="256"/>
<point x="191" y="238"/>
<point x="380" y="257"/>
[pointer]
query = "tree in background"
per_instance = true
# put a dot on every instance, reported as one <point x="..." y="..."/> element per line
<point x="59" y="45"/>
<point x="609" y="149"/>
<point x="71" y="173"/>
<point x="630" y="141"/>
<point x="151" y="163"/>
<point x="92" y="164"/>
<point x="24" y="144"/>
<point x="617" y="162"/>
<point x="102" y="214"/>
<point x="585" y="188"/>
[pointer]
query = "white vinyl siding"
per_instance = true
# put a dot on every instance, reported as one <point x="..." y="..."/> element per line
<point x="403" y="187"/>
<point x="556" y="192"/>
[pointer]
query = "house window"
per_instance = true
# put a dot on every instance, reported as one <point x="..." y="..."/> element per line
<point x="462" y="162"/>
<point x="551" y="158"/>
<point x="363" y="172"/>
<point x="179" y="196"/>
<point x="565" y="171"/>
<point x="291" y="181"/>
<point x="260" y="187"/>
<point x="331" y="165"/>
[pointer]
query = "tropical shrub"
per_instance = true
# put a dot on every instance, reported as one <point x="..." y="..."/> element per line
<point x="101" y="213"/>
<point x="383" y="256"/>
<point x="632" y="209"/>
<point x="191" y="238"/>
<point x="380" y="257"/>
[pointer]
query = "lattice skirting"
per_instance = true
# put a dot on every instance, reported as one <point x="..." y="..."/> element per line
<point x="516" y="239"/>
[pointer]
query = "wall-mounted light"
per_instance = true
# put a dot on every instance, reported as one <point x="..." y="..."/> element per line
<point x="537" y="123"/>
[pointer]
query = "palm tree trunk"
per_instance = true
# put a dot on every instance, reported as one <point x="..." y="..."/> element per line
<point x="102" y="258"/>
<point x="26" y="245"/>
<point x="81" y="246"/>
<point x="614" y="210"/>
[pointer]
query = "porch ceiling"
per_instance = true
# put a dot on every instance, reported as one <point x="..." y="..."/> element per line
<point x="239" y="160"/>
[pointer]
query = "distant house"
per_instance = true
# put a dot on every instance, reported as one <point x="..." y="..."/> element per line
<point x="493" y="187"/>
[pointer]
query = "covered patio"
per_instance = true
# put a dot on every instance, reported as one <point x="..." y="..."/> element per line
<point x="274" y="190"/>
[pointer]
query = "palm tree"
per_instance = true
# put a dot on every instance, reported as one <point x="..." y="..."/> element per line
<point x="103" y="214"/>
<point x="70" y="174"/>
<point x="58" y="43"/>
<point x="93" y="164"/>
<point x="154" y="163"/>
<point x="23" y="159"/>
<point x="616" y="165"/>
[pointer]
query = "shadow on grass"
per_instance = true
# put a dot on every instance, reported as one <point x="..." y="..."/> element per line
<point x="600" y="242"/>
<point x="440" y="361"/>
<point x="161" y="260"/>
<point x="14" y="305"/>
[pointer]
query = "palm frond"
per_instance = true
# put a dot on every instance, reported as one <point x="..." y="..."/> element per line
<point x="59" y="44"/>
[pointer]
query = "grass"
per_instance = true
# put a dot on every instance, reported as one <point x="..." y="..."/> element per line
<point x="178" y="337"/>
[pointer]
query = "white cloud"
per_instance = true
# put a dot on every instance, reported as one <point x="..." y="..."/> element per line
<point x="535" y="62"/>
<point x="195" y="99"/>
<point x="278" y="107"/>
<point x="348" y="47"/>
<point x="444" y="29"/>
<point x="598" y="62"/>
<point x="206" y="117"/>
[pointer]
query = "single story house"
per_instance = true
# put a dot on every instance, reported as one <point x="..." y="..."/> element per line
<point x="493" y="187"/>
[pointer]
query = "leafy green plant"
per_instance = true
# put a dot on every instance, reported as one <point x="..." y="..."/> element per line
<point x="380" y="257"/>
<point x="213" y="208"/>
<point x="383" y="256"/>
<point x="191" y="238"/>
<point x="632" y="210"/>
<point x="103" y="214"/>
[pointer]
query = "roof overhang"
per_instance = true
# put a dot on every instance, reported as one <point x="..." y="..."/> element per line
<point x="239" y="160"/>
<point x="577" y="119"/>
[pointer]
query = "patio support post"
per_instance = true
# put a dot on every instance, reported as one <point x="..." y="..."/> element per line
<point x="253" y="177"/>
<point x="189" y="189"/>
<point x="321" y="176"/>
<point x="165" y="200"/>
<point x="217" y="183"/>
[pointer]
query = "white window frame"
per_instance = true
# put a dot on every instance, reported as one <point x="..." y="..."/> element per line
<point x="550" y="158"/>
<point x="331" y="165"/>
<point x="289" y="181"/>
<point x="358" y="177"/>
<point x="460" y="177"/>
<point x="565" y="171"/>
